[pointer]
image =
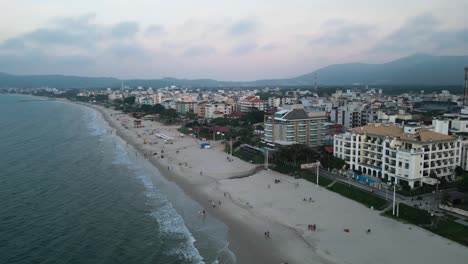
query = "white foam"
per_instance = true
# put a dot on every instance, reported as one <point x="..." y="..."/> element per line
<point x="170" y="222"/>
<point x="172" y="225"/>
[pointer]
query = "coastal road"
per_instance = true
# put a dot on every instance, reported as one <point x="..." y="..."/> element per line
<point x="425" y="203"/>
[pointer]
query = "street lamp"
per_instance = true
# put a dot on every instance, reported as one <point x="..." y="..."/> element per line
<point x="394" y="198"/>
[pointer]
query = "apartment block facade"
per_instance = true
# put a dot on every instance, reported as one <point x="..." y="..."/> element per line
<point x="248" y="103"/>
<point x="295" y="126"/>
<point x="402" y="154"/>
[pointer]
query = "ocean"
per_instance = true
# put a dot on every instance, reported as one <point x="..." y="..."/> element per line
<point x="72" y="192"/>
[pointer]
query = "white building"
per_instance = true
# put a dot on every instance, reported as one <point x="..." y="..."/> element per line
<point x="295" y="126"/>
<point x="215" y="110"/>
<point x="441" y="126"/>
<point x="403" y="154"/>
<point x="246" y="104"/>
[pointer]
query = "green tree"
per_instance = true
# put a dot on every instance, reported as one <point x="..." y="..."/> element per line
<point x="158" y="109"/>
<point x="191" y="115"/>
<point x="170" y="115"/>
<point x="253" y="116"/>
<point x="462" y="184"/>
<point x="130" y="100"/>
<point x="101" y="97"/>
<point x="146" y="108"/>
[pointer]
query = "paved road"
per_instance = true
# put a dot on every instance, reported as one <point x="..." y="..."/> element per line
<point x="426" y="202"/>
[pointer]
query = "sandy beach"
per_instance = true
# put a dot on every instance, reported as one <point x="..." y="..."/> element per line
<point x="250" y="203"/>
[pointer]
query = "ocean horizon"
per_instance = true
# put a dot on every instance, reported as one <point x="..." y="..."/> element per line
<point x="73" y="192"/>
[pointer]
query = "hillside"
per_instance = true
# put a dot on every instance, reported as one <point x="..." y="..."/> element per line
<point x="412" y="70"/>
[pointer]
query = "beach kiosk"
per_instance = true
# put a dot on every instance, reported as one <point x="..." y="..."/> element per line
<point x="137" y="123"/>
<point x="205" y="145"/>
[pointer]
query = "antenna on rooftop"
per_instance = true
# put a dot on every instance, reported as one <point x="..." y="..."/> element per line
<point x="315" y="84"/>
<point x="465" y="92"/>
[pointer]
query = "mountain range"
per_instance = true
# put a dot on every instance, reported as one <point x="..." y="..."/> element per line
<point x="418" y="69"/>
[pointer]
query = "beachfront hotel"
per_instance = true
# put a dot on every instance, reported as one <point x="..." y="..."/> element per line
<point x="295" y="126"/>
<point x="406" y="154"/>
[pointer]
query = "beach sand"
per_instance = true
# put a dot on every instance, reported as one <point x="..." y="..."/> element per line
<point x="250" y="208"/>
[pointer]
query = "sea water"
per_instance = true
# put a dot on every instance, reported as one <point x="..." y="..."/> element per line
<point x="72" y="192"/>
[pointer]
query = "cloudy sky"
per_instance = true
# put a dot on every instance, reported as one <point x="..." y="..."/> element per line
<point x="224" y="40"/>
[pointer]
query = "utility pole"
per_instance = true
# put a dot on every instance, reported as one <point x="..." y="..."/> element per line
<point x="386" y="190"/>
<point x="318" y="174"/>
<point x="266" y="160"/>
<point x="394" y="196"/>
<point x="465" y="89"/>
<point x="230" y="143"/>
<point x="349" y="180"/>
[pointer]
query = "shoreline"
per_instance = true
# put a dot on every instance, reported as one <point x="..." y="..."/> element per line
<point x="255" y="208"/>
<point x="245" y="230"/>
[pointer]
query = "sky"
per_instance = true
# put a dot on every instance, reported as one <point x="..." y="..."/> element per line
<point x="236" y="40"/>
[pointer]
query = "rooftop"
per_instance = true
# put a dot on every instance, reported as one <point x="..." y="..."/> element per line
<point x="296" y="114"/>
<point x="397" y="132"/>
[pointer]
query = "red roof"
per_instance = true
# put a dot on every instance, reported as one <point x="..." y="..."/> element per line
<point x="329" y="150"/>
<point x="219" y="129"/>
<point x="253" y="99"/>
<point x="256" y="100"/>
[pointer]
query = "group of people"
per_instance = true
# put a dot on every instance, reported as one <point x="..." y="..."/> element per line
<point x="267" y="234"/>
<point x="312" y="227"/>
<point x="277" y="181"/>
<point x="310" y="199"/>
<point x="213" y="203"/>
<point x="202" y="212"/>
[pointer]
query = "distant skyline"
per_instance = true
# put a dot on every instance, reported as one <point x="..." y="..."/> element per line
<point x="235" y="40"/>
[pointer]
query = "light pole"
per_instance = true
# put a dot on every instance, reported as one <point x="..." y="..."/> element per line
<point x="435" y="195"/>
<point x="317" y="168"/>
<point x="386" y="190"/>
<point x="230" y="143"/>
<point x="349" y="179"/>
<point x="394" y="196"/>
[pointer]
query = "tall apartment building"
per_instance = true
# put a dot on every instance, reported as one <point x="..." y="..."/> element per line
<point x="295" y="126"/>
<point x="185" y="107"/>
<point x="403" y="154"/>
<point x="456" y="125"/>
<point x="355" y="114"/>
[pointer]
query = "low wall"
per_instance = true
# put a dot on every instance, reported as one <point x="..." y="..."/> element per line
<point x="453" y="210"/>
